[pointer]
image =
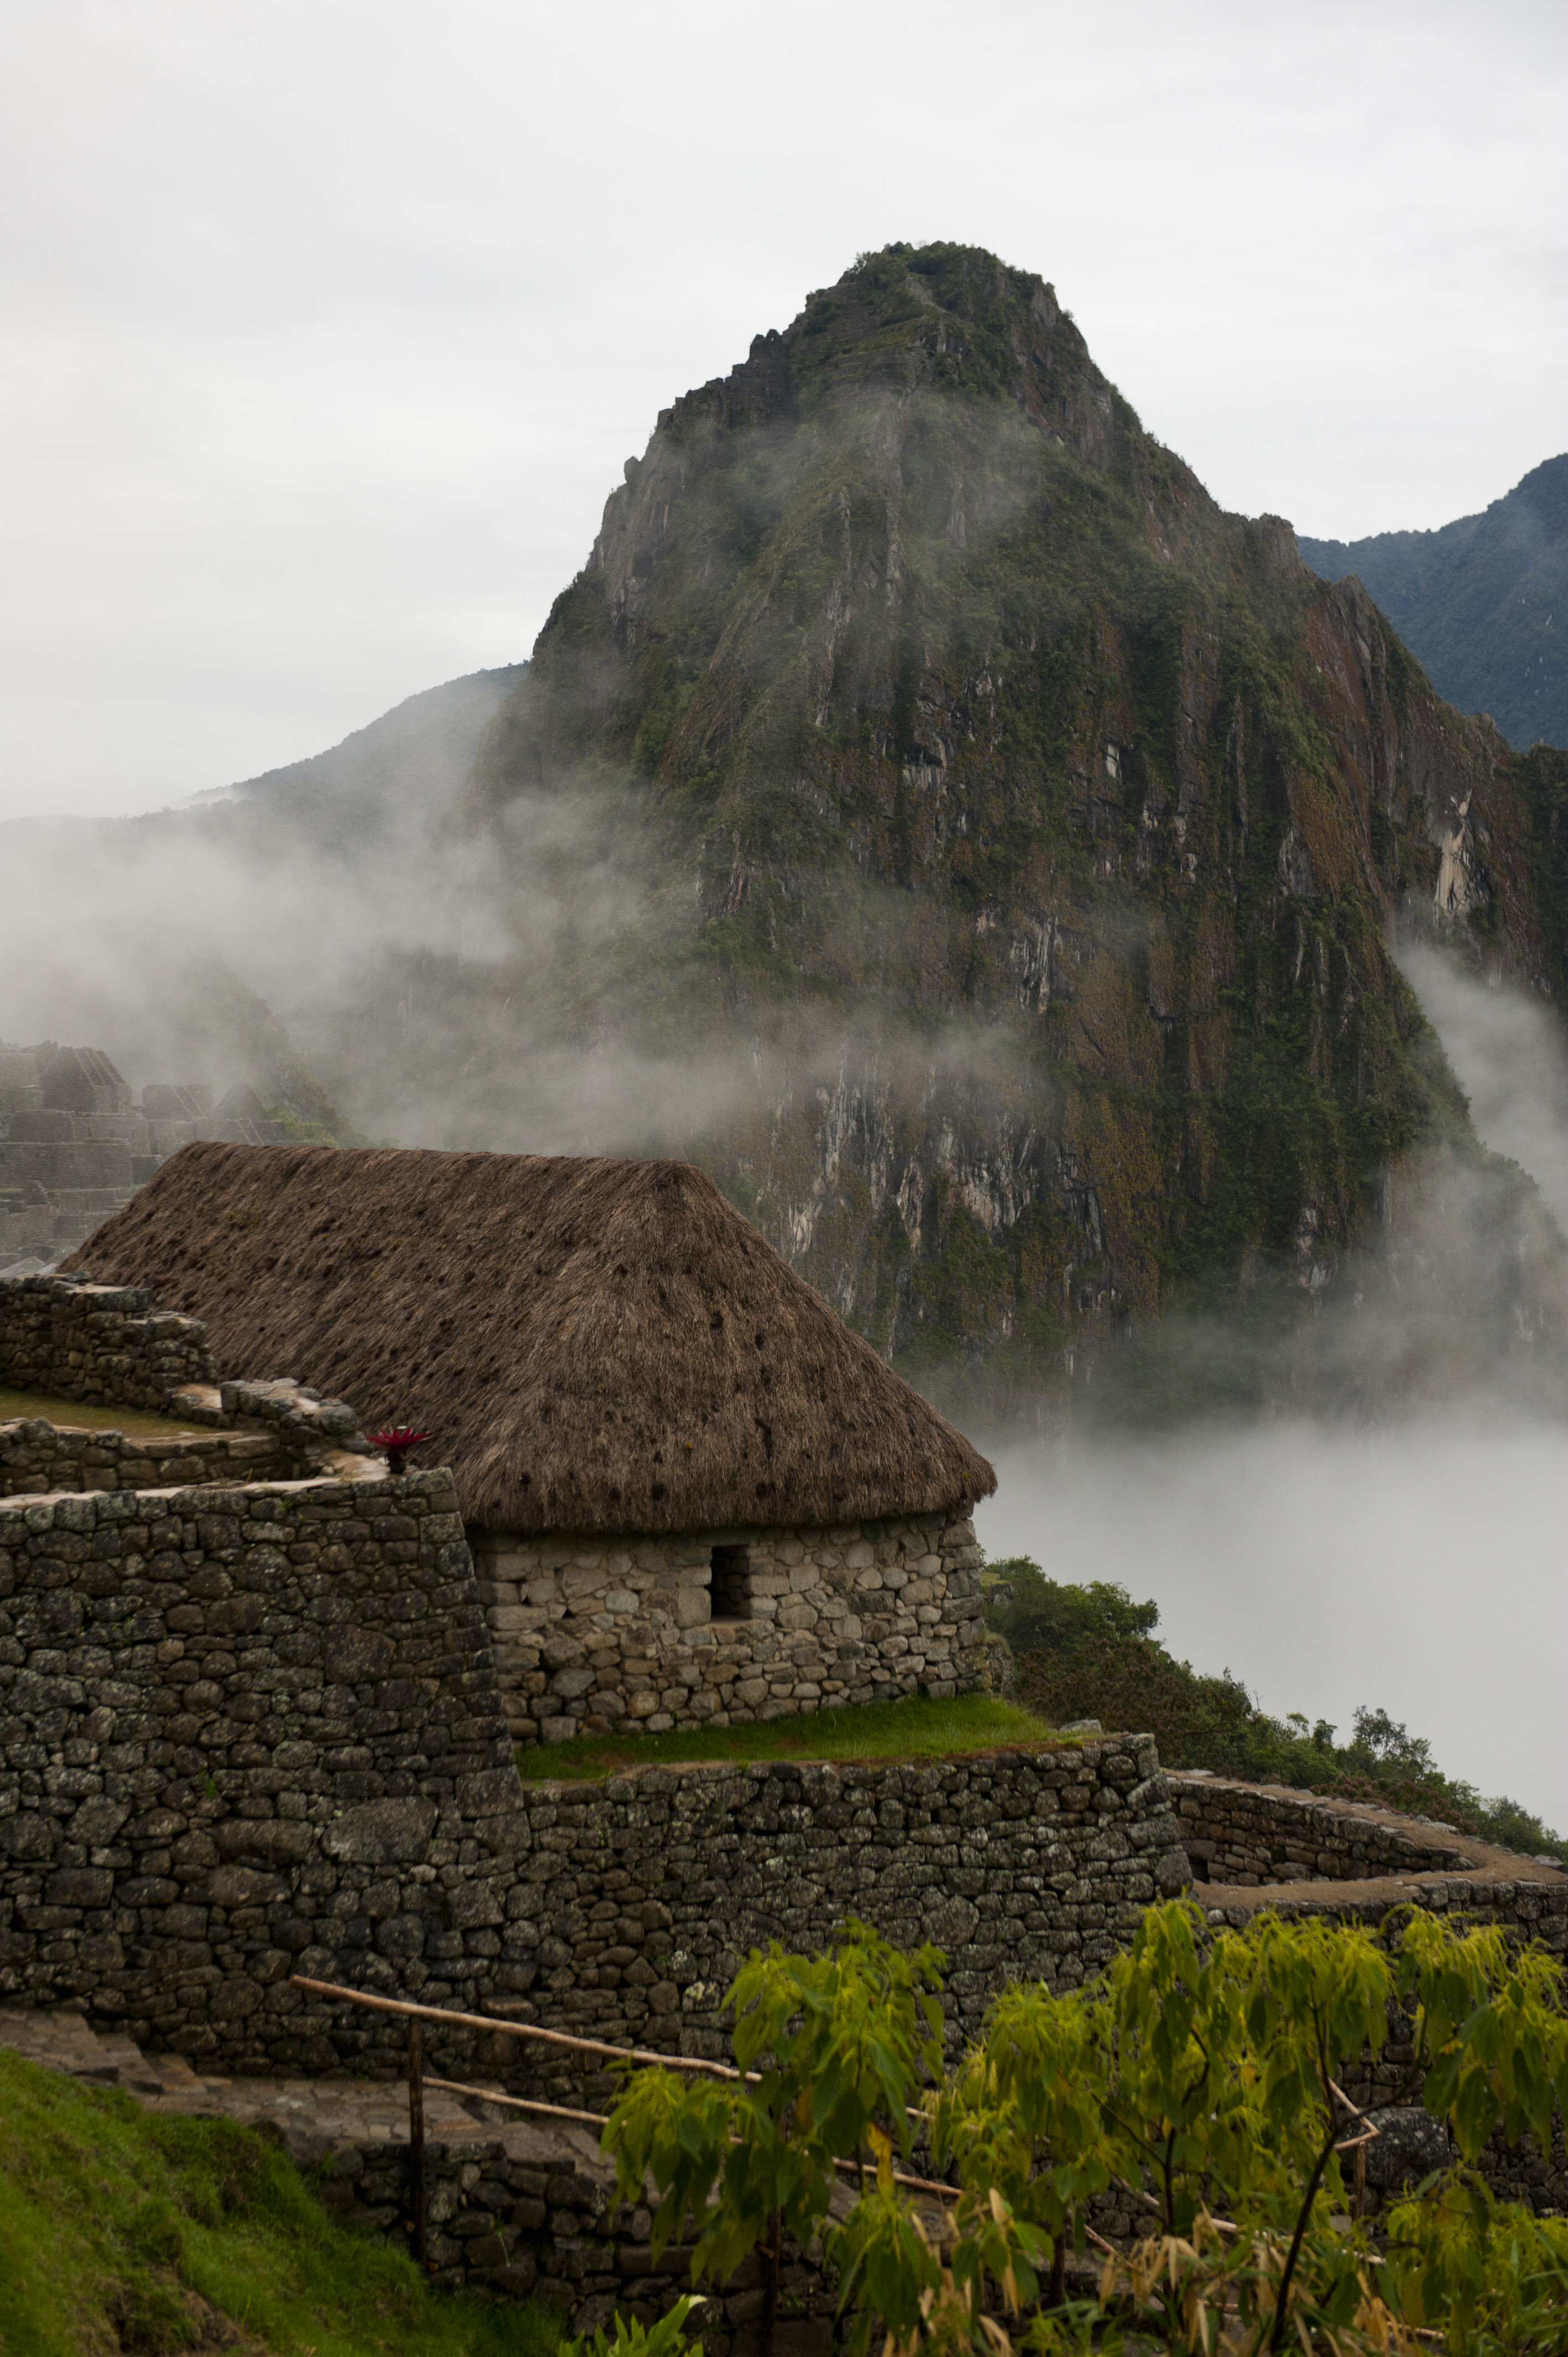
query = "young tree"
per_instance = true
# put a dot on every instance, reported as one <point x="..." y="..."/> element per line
<point x="1203" y="2073"/>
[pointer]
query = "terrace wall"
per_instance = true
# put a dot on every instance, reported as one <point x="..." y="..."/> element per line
<point x="246" y="1733"/>
<point x="106" y="1344"/>
<point x="1265" y="1835"/>
<point x="100" y="1342"/>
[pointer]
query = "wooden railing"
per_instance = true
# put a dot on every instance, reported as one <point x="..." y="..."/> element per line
<point x="419" y="2079"/>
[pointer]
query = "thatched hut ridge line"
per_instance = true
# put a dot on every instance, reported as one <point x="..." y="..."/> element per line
<point x="599" y="1344"/>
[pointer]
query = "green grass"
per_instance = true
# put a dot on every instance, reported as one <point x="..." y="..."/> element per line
<point x="916" y="1729"/>
<point x="122" y="2230"/>
<point x="136" y="1423"/>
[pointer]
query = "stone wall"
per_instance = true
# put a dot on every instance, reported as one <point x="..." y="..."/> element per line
<point x="532" y="2212"/>
<point x="39" y="1458"/>
<point x="718" y="1627"/>
<point x="1264" y="1836"/>
<point x="246" y="1733"/>
<point x="526" y="2216"/>
<point x="106" y="1345"/>
<point x="101" y="1342"/>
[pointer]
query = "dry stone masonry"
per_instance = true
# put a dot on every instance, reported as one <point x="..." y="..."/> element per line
<point x="74" y="1147"/>
<point x="107" y="1345"/>
<point x="245" y="1733"/>
<point x="104" y="1343"/>
<point x="38" y="1457"/>
<point x="722" y="1627"/>
<point x="1262" y="1836"/>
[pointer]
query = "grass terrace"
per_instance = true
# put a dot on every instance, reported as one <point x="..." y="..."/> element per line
<point x="87" y="1416"/>
<point x="918" y="1728"/>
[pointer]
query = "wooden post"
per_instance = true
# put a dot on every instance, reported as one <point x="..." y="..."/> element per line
<point x="770" y="2302"/>
<point x="417" y="2137"/>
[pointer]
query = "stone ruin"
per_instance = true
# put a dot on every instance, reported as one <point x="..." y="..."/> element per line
<point x="74" y="1147"/>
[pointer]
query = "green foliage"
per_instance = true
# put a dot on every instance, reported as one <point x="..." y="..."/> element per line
<point x="308" y="1132"/>
<point x="1487" y="2275"/>
<point x="830" y="2047"/>
<point x="121" y="2228"/>
<point x="632" y="2338"/>
<point x="1049" y="1616"/>
<point x="1088" y="1651"/>
<point x="1542" y="777"/>
<point x="1206" y="2069"/>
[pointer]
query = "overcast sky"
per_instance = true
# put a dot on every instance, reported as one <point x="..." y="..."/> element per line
<point x="326" y="325"/>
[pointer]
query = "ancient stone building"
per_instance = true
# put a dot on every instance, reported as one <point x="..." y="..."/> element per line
<point x="693" y="1494"/>
<point x="74" y="1147"/>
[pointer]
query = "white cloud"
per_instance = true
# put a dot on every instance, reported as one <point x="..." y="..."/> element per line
<point x="1412" y="1563"/>
<point x="1415" y="1569"/>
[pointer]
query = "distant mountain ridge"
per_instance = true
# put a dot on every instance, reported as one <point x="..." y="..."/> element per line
<point x="400" y="771"/>
<point x="1482" y="601"/>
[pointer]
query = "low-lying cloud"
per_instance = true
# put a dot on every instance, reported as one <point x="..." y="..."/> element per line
<point x="1403" y="1556"/>
<point x="1415" y="1567"/>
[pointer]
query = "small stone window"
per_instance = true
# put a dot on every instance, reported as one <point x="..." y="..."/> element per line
<point x="730" y="1584"/>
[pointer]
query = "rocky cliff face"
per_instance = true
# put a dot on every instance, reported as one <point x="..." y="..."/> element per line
<point x="999" y="842"/>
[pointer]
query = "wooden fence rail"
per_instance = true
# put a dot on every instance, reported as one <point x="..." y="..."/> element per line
<point x="418" y="2080"/>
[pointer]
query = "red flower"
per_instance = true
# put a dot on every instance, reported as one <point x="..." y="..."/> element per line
<point x="397" y="1439"/>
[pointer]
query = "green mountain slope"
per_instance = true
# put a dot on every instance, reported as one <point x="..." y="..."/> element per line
<point x="987" y="845"/>
<point x="1482" y="601"/>
<point x="391" y="781"/>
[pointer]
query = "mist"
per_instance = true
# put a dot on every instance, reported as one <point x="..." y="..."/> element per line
<point x="1416" y="1568"/>
<point x="1508" y="1051"/>
<point x="1412" y="1564"/>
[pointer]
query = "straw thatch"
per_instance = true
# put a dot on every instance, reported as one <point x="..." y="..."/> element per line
<point x="597" y="1346"/>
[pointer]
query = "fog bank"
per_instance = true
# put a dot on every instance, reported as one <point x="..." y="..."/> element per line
<point x="1417" y="1568"/>
<point x="1414" y="1563"/>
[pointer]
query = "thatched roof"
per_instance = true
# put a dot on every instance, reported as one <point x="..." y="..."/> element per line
<point x="597" y="1345"/>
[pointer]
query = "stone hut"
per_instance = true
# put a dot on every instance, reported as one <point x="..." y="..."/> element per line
<point x="693" y="1495"/>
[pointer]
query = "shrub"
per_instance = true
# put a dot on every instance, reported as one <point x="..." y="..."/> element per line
<point x="1205" y="2069"/>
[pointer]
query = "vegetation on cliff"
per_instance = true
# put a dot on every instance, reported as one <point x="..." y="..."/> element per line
<point x="1090" y="1651"/>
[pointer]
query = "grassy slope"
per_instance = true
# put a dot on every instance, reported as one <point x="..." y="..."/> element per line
<point x="917" y="1729"/>
<point x="120" y="2230"/>
<point x="1090" y="1651"/>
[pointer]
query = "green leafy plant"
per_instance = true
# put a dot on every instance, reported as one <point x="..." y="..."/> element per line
<point x="830" y="2048"/>
<point x="667" y="2337"/>
<point x="1203" y="2074"/>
